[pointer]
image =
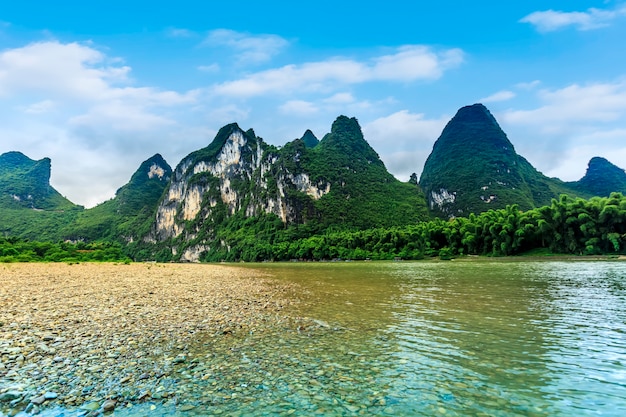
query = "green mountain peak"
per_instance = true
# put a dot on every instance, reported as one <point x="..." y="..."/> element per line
<point x="602" y="178"/>
<point x="25" y="182"/>
<point x="309" y="139"/>
<point x="473" y="167"/>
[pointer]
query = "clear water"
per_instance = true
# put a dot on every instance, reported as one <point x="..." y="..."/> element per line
<point x="426" y="338"/>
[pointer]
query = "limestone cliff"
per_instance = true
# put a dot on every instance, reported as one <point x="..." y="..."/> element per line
<point x="340" y="182"/>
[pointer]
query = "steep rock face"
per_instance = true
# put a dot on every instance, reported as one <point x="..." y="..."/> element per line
<point x="238" y="172"/>
<point x="473" y="167"/>
<point x="341" y="181"/>
<point x="602" y="178"/>
<point x="26" y="183"/>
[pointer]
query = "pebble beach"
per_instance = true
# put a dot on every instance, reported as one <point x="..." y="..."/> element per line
<point x="101" y="337"/>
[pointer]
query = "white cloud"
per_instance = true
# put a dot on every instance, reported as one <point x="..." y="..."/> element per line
<point x="404" y="140"/>
<point x="569" y="126"/>
<point x="179" y="33"/>
<point x="551" y="20"/>
<point x="567" y="108"/>
<point x="97" y="124"/>
<point x="340" y="98"/>
<point x="529" y="85"/>
<point x="298" y="108"/>
<point x="503" y="95"/>
<point x="209" y="68"/>
<point x="251" y="49"/>
<point x="227" y="114"/>
<point x="40" y="107"/>
<point x="409" y="63"/>
<point x="69" y="69"/>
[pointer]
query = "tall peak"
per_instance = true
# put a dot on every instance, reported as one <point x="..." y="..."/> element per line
<point x="309" y="139"/>
<point x="602" y="178"/>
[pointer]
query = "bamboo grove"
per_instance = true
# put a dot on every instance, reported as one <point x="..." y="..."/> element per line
<point x="566" y="226"/>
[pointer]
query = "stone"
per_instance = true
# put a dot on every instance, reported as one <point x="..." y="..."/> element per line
<point x="38" y="400"/>
<point x="50" y="395"/>
<point x="10" y="396"/>
<point x="93" y="406"/>
<point x="109" y="405"/>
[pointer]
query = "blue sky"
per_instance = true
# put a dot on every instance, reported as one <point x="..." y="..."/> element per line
<point x="101" y="86"/>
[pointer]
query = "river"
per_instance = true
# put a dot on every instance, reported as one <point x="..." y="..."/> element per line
<point x="458" y="338"/>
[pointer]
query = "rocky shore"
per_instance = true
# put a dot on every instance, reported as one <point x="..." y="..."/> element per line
<point x="102" y="337"/>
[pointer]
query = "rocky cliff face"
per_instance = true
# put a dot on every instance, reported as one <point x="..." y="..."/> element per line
<point x="339" y="181"/>
<point x="473" y="168"/>
<point x="238" y="172"/>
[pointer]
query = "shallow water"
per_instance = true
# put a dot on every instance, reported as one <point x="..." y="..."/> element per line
<point x="424" y="338"/>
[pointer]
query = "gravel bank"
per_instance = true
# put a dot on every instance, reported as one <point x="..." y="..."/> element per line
<point x="103" y="336"/>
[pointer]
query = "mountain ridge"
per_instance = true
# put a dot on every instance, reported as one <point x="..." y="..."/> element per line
<point x="239" y="191"/>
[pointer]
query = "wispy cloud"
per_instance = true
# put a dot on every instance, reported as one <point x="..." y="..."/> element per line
<point x="404" y="140"/>
<point x="298" y="108"/>
<point x="528" y="85"/>
<point x="567" y="108"/>
<point x="180" y="33"/>
<point x="503" y="95"/>
<point x="569" y="126"/>
<point x="40" y="107"/>
<point x="551" y="20"/>
<point x="209" y="68"/>
<point x="251" y="49"/>
<point x="407" y="64"/>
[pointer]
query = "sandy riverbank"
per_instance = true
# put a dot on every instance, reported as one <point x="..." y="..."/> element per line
<point x="79" y="335"/>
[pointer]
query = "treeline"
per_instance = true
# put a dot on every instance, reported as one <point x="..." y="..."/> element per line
<point x="20" y="250"/>
<point x="566" y="226"/>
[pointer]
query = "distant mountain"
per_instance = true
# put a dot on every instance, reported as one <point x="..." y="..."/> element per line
<point x="601" y="179"/>
<point x="129" y="214"/>
<point x="309" y="139"/>
<point x="340" y="182"/>
<point x="239" y="195"/>
<point x="473" y="167"/>
<point x="25" y="183"/>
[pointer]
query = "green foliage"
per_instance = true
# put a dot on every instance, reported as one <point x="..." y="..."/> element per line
<point x="363" y="194"/>
<point x="25" y="183"/>
<point x="474" y="160"/>
<point x="129" y="215"/>
<point x="567" y="226"/>
<point x="19" y="250"/>
<point x="601" y="179"/>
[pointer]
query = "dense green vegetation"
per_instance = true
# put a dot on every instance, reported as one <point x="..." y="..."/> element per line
<point x="19" y="250"/>
<point x="601" y="179"/>
<point x="474" y="161"/>
<point x="335" y="199"/>
<point x="25" y="183"/>
<point x="129" y="215"/>
<point x="363" y="193"/>
<point x="566" y="226"/>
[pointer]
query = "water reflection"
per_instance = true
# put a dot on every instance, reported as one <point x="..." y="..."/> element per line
<point x="587" y="336"/>
<point x="527" y="338"/>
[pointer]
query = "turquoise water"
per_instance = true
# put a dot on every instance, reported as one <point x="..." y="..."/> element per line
<point x="426" y="338"/>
